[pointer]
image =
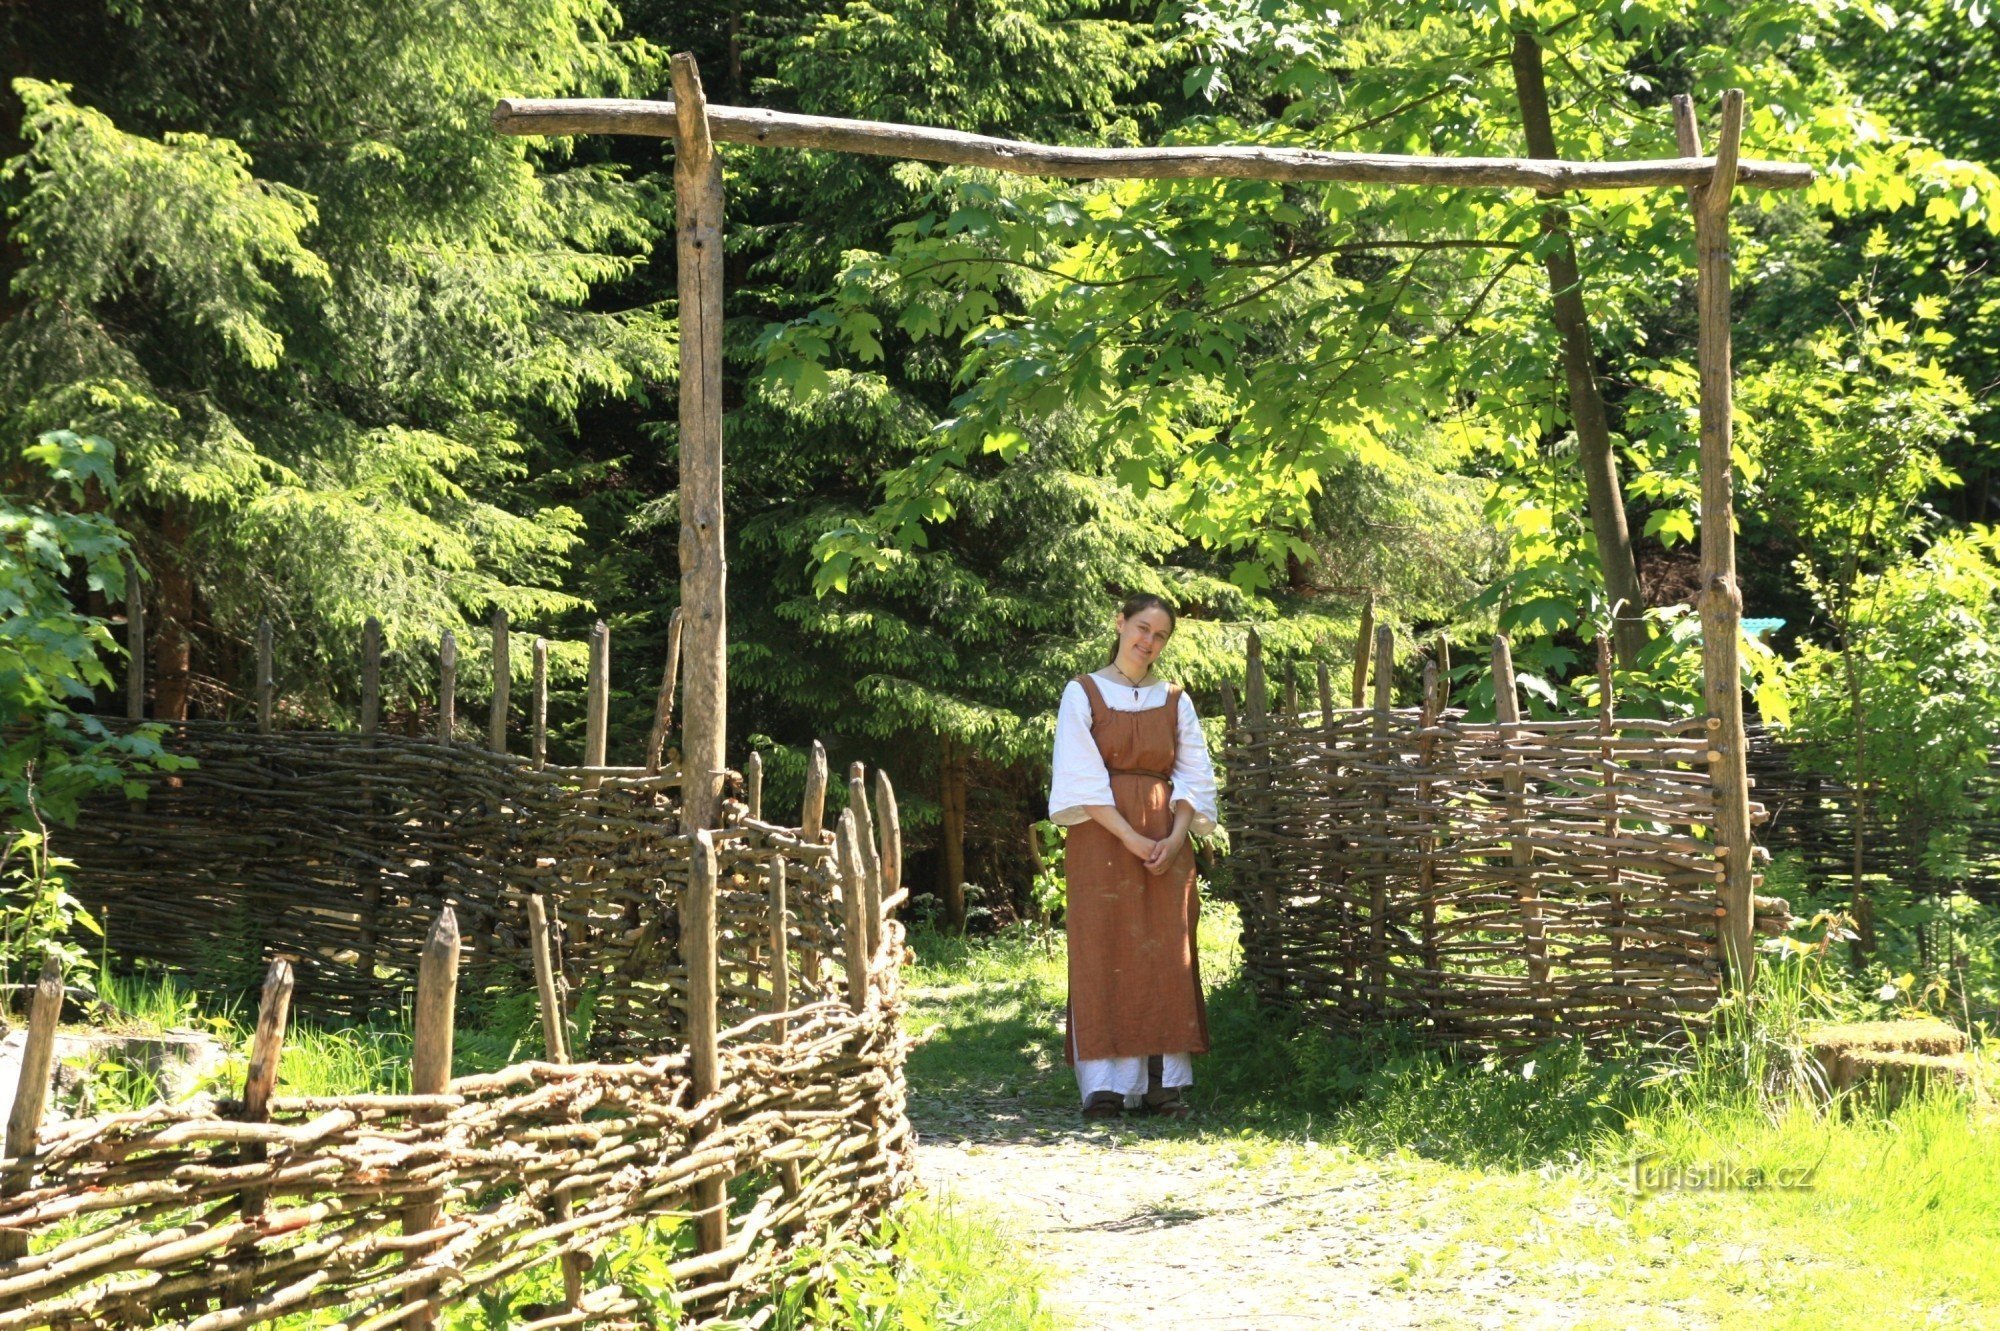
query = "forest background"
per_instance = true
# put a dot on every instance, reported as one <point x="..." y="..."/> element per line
<point x="287" y="329"/>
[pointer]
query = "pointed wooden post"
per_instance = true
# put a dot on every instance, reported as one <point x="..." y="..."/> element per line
<point x="889" y="827"/>
<point x="704" y="575"/>
<point x="538" y="741"/>
<point x="31" y="1093"/>
<point x="135" y="643"/>
<point x="447" y="686"/>
<point x="870" y="858"/>
<point x="663" y="702"/>
<point x="266" y="687"/>
<point x="496" y="716"/>
<point x="812" y="814"/>
<point x="698" y="954"/>
<point x="267" y="1048"/>
<point x="371" y="675"/>
<point x="753" y="785"/>
<point x="1720" y="599"/>
<point x="430" y="1067"/>
<point x="597" y="702"/>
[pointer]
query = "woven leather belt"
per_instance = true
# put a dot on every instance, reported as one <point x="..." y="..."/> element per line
<point x="1135" y="771"/>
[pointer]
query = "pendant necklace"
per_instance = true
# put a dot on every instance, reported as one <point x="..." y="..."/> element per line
<point x="1128" y="679"/>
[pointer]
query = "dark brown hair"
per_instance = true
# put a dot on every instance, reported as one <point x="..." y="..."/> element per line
<point x="1138" y="603"/>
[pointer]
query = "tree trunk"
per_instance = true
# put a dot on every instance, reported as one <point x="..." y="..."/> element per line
<point x="951" y="796"/>
<point x="1604" y="494"/>
<point x="174" y="593"/>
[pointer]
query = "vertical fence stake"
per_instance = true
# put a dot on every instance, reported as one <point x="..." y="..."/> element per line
<point x="698" y="949"/>
<point x="31" y="1092"/>
<point x="496" y="718"/>
<point x="781" y="989"/>
<point x="663" y="703"/>
<point x="1608" y="764"/>
<point x="1364" y="643"/>
<point x="447" y="686"/>
<point x="555" y="1026"/>
<point x="1507" y="711"/>
<point x="371" y="675"/>
<point x="555" y="1042"/>
<point x="1428" y="843"/>
<point x="1261" y="942"/>
<point x="1325" y="681"/>
<point x="889" y="824"/>
<point x="853" y="898"/>
<point x="265" y="684"/>
<point x="753" y="785"/>
<point x="135" y="643"/>
<point x="812" y="814"/>
<point x="871" y="858"/>
<point x="780" y="930"/>
<point x="538" y="705"/>
<point x="597" y="701"/>
<point x="267" y="1048"/>
<point x="1378" y="885"/>
<point x="430" y="1067"/>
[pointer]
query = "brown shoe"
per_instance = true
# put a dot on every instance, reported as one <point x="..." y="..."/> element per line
<point x="1167" y="1102"/>
<point x="1104" y="1104"/>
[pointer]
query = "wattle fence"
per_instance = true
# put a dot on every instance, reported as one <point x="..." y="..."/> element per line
<point x="1498" y="883"/>
<point x="742" y="1094"/>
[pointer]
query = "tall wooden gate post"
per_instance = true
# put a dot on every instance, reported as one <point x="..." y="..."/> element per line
<point x="1721" y="600"/>
<point x="698" y="222"/>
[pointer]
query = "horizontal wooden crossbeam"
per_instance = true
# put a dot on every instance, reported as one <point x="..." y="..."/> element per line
<point x="877" y="138"/>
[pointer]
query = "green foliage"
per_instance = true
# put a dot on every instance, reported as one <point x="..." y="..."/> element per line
<point x="1908" y="712"/>
<point x="53" y="656"/>
<point x="326" y="316"/>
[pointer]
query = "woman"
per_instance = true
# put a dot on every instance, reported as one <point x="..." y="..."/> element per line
<point x="1132" y="780"/>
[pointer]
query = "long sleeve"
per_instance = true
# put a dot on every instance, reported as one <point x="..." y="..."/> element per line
<point x="1078" y="776"/>
<point x="1194" y="774"/>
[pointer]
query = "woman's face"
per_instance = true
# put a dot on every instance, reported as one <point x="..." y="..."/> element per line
<point x="1142" y="637"/>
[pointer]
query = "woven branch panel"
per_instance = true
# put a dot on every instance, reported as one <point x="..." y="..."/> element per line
<point x="1812" y="814"/>
<point x="1497" y="884"/>
<point x="339" y="850"/>
<point x="188" y="1212"/>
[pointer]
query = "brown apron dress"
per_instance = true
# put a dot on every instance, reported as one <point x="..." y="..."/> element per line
<point x="1134" y="979"/>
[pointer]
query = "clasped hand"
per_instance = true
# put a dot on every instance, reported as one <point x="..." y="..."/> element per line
<point x="1156" y="855"/>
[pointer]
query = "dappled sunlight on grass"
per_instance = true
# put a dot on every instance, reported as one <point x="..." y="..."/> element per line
<point x="1687" y="1183"/>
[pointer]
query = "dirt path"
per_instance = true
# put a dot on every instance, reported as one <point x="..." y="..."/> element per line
<point x="1150" y="1224"/>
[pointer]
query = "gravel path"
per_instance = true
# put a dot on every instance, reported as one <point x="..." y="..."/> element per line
<point x="1143" y="1223"/>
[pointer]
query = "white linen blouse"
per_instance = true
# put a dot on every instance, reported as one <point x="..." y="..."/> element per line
<point x="1079" y="777"/>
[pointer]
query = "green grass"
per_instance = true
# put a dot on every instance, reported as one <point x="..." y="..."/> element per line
<point x="1528" y="1164"/>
